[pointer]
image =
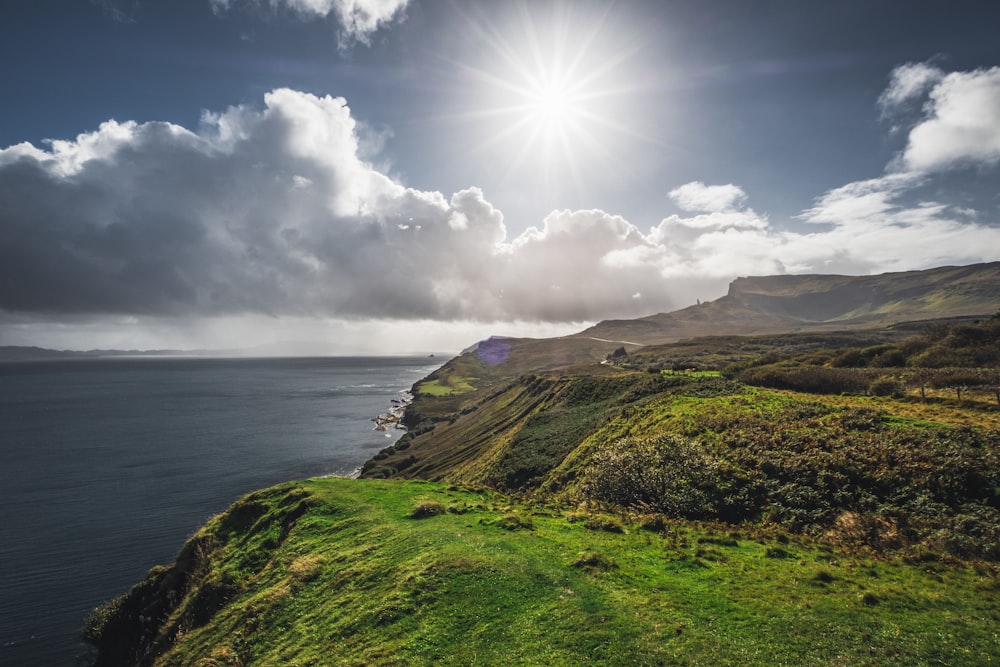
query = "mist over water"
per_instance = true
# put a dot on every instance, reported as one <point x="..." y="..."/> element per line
<point x="108" y="465"/>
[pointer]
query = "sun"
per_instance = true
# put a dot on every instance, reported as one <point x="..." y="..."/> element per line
<point x="550" y="113"/>
<point x="546" y="95"/>
<point x="552" y="104"/>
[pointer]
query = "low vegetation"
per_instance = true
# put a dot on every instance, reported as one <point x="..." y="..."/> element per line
<point x="814" y="499"/>
<point x="341" y="572"/>
<point x="962" y="358"/>
<point x="445" y="386"/>
<point x="894" y="459"/>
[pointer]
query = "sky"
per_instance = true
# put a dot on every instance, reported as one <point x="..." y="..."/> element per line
<point x="409" y="176"/>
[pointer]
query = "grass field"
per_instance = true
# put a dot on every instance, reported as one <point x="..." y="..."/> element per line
<point x="768" y="501"/>
<point x="446" y="387"/>
<point x="369" y="572"/>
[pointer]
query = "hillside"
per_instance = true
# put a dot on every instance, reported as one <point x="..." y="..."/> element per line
<point x="821" y="497"/>
<point x="10" y="353"/>
<point x="889" y="472"/>
<point x="368" y="573"/>
<point x="790" y="303"/>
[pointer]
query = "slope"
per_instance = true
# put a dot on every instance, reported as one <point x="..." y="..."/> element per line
<point x="788" y="303"/>
<point x="356" y="572"/>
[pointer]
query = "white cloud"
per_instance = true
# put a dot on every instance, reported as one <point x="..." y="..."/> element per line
<point x="883" y="229"/>
<point x="272" y="211"/>
<point x="961" y="123"/>
<point x="68" y="157"/>
<point x="696" y="196"/>
<point x="907" y="82"/>
<point x="358" y="18"/>
<point x="270" y="215"/>
<point x="864" y="202"/>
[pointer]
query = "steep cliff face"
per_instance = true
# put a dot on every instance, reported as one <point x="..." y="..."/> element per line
<point x="209" y="572"/>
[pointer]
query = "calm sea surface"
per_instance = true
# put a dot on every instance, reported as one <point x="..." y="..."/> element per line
<point x="108" y="465"/>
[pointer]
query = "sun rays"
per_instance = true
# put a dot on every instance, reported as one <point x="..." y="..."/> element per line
<point x="548" y="93"/>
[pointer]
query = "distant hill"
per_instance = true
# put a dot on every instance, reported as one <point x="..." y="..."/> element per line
<point x="793" y="303"/>
<point x="26" y="353"/>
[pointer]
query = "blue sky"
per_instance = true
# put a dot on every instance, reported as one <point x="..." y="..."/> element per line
<point x="219" y="173"/>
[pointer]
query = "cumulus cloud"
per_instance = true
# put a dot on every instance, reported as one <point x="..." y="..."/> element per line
<point x="271" y="212"/>
<point x="960" y="124"/>
<point x="358" y="18"/>
<point x="696" y="196"/>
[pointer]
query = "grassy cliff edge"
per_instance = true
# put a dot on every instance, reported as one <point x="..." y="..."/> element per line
<point x="367" y="572"/>
<point x="802" y="500"/>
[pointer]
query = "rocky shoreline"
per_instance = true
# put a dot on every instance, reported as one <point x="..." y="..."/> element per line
<point x="393" y="418"/>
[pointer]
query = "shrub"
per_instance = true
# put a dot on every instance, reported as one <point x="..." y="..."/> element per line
<point x="594" y="560"/>
<point x="604" y="524"/>
<point x="887" y="386"/>
<point x="670" y="475"/>
<point x="655" y="523"/>
<point x="823" y="577"/>
<point x="848" y="359"/>
<point x="888" y="359"/>
<point x="427" y="508"/>
<point x="811" y="379"/>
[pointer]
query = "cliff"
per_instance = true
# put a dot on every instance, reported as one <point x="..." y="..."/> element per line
<point x="362" y="572"/>
<point x="679" y="505"/>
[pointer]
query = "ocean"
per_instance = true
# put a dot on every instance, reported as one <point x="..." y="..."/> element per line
<point x="109" y="465"/>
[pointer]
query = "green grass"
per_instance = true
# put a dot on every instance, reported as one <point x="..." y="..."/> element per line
<point x="863" y="530"/>
<point x="339" y="572"/>
<point x="692" y="373"/>
<point x="447" y="387"/>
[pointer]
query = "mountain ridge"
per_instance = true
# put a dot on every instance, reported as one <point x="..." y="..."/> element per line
<point x="791" y="303"/>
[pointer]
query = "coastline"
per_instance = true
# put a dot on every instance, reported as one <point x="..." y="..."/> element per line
<point x="231" y="426"/>
<point x="392" y="418"/>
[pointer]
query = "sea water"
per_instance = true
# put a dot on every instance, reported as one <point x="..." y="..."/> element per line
<point x="108" y="465"/>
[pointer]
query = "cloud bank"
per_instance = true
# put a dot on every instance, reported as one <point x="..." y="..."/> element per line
<point x="271" y="212"/>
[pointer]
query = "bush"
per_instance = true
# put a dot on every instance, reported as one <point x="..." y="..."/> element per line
<point x="594" y="560"/>
<point x="810" y="379"/>
<point x="888" y="359"/>
<point x="887" y="386"/>
<point x="655" y="523"/>
<point x="669" y="475"/>
<point x="604" y="524"/>
<point x="427" y="508"/>
<point x="848" y="359"/>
